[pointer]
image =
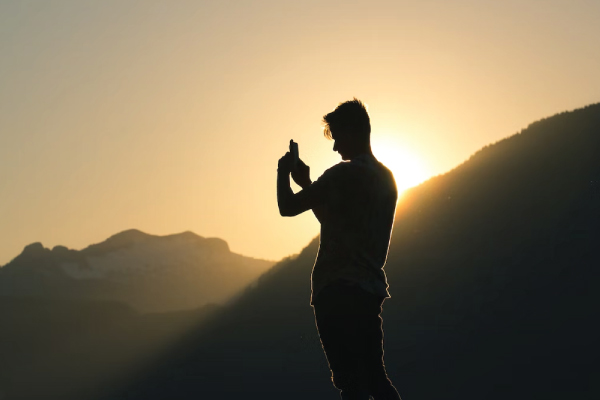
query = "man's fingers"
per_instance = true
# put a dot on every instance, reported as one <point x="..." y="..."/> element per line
<point x="286" y="161"/>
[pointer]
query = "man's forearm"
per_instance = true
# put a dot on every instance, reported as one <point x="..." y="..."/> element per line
<point x="284" y="193"/>
<point x="291" y="204"/>
<point x="319" y="210"/>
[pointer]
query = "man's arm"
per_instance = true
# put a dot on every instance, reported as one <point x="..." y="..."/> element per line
<point x="319" y="210"/>
<point x="291" y="204"/>
<point x="301" y="176"/>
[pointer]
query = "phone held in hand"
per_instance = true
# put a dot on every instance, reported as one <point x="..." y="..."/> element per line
<point x="295" y="153"/>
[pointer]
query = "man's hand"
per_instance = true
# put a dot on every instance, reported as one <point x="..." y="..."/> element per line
<point x="291" y="204"/>
<point x="286" y="163"/>
<point x="301" y="174"/>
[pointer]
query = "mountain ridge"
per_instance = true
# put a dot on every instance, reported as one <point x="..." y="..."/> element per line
<point x="137" y="268"/>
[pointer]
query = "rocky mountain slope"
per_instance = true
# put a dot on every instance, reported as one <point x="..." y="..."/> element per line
<point x="148" y="272"/>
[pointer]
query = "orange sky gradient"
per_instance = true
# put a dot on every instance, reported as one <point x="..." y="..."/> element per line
<point x="167" y="116"/>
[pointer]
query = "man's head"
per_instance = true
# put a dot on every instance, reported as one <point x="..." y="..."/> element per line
<point x="350" y="127"/>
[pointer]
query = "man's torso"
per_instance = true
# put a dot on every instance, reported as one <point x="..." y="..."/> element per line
<point x="360" y="202"/>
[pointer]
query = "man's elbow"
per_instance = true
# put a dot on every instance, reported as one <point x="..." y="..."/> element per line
<point x="286" y="212"/>
<point x="283" y="210"/>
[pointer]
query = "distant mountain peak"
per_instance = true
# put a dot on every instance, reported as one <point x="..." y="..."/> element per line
<point x="34" y="247"/>
<point x="60" y="249"/>
<point x="150" y="272"/>
<point x="130" y="235"/>
<point x="34" y="250"/>
<point x="117" y="241"/>
<point x="217" y="244"/>
<point x="188" y="234"/>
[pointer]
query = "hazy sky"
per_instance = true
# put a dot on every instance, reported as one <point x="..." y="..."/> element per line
<point x="169" y="116"/>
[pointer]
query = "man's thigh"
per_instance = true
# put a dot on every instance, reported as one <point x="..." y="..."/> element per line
<point x="349" y="324"/>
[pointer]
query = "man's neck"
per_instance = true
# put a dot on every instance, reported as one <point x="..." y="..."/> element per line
<point x="364" y="151"/>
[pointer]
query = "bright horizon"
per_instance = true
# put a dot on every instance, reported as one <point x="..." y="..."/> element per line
<point x="171" y="116"/>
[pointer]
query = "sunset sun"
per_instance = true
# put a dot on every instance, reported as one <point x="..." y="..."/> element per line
<point x="406" y="166"/>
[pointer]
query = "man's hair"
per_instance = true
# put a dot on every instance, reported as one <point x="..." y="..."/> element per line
<point x="349" y="117"/>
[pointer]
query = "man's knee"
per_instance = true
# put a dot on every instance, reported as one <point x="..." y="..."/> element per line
<point x="351" y="386"/>
<point x="350" y="381"/>
<point x="354" y="385"/>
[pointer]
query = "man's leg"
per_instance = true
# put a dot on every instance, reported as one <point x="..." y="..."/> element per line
<point x="338" y="323"/>
<point x="380" y="386"/>
<point x="351" y="334"/>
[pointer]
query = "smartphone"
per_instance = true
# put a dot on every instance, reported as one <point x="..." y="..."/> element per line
<point x="295" y="153"/>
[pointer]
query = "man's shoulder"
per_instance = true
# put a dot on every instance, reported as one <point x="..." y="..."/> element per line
<point x="369" y="168"/>
<point x="338" y="169"/>
<point x="341" y="166"/>
<point x="387" y="173"/>
<point x="358" y="166"/>
<point x="372" y="167"/>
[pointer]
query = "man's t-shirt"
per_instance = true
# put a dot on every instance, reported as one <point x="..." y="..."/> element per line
<point x="359" y="202"/>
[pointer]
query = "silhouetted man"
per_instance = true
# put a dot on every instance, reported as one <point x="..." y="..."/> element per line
<point x="355" y="202"/>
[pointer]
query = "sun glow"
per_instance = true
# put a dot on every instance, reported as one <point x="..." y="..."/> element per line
<point x="408" y="170"/>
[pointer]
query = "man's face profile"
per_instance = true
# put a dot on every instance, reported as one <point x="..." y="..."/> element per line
<point x="341" y="142"/>
<point x="346" y="143"/>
